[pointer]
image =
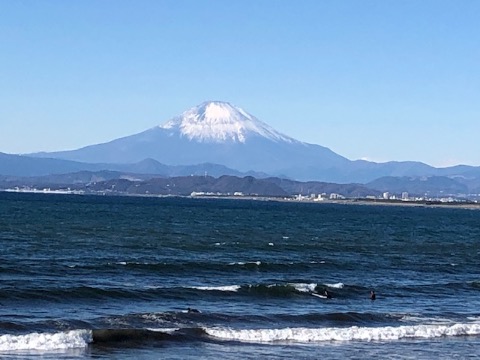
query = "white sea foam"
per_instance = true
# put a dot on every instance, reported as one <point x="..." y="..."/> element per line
<point x="164" y="330"/>
<point x="258" y="263"/>
<point x="46" y="341"/>
<point x="218" y="288"/>
<point x="304" y="287"/>
<point x="430" y="320"/>
<point x="308" y="335"/>
<point x="336" y="285"/>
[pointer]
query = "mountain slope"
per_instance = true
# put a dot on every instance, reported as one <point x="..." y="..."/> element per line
<point x="18" y="165"/>
<point x="27" y="166"/>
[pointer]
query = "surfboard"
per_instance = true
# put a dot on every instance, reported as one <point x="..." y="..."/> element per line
<point x="319" y="295"/>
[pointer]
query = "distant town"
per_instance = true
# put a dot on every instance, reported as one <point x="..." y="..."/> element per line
<point x="384" y="198"/>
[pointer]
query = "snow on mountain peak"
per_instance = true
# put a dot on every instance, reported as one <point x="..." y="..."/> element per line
<point x="217" y="121"/>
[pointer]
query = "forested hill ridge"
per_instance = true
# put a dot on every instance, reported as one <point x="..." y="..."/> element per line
<point x="123" y="184"/>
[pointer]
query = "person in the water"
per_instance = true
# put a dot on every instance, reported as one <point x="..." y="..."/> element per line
<point x="327" y="294"/>
<point x="190" y="310"/>
<point x="372" y="295"/>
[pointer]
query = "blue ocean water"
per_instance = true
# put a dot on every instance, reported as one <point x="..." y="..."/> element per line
<point x="114" y="277"/>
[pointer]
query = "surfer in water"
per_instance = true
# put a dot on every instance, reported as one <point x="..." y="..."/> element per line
<point x="372" y="295"/>
<point x="327" y="294"/>
<point x="191" y="310"/>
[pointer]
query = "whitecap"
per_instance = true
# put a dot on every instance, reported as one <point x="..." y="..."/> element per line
<point x="164" y="330"/>
<point x="46" y="341"/>
<point x="304" y="287"/>
<point x="354" y="333"/>
<point x="336" y="285"/>
<point x="258" y="263"/>
<point x="233" y="288"/>
<point x="423" y="319"/>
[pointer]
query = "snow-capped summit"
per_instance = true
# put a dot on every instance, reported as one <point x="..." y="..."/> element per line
<point x="218" y="122"/>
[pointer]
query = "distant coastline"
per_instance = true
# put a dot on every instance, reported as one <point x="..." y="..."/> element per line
<point x="346" y="201"/>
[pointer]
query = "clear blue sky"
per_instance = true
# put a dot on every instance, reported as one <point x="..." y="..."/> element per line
<point x="382" y="80"/>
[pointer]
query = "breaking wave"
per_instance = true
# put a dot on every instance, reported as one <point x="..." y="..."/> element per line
<point x="274" y="289"/>
<point x="354" y="333"/>
<point x="46" y="341"/>
<point x="233" y="288"/>
<point x="82" y="338"/>
<point x="133" y="337"/>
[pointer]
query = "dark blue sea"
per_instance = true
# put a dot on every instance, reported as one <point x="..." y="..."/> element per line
<point x="113" y="278"/>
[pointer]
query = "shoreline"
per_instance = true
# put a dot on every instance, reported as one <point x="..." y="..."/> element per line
<point x="347" y="201"/>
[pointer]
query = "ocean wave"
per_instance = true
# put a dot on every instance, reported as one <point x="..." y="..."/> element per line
<point x="129" y="291"/>
<point x="165" y="330"/>
<point x="294" y="288"/>
<point x="75" y="339"/>
<point x="128" y="336"/>
<point x="274" y="289"/>
<point x="344" y="318"/>
<point x="231" y="288"/>
<point x="248" y="263"/>
<point x="46" y="341"/>
<point x="304" y="287"/>
<point x="313" y="318"/>
<point x="82" y="338"/>
<point x="475" y="284"/>
<point x="278" y="290"/>
<point x="265" y="289"/>
<point x="336" y="285"/>
<point x="354" y="333"/>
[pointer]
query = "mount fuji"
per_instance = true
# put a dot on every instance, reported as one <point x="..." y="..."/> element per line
<point x="219" y="133"/>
